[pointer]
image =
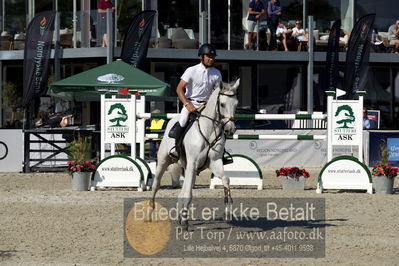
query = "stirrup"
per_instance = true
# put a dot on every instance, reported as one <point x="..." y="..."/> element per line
<point x="227" y="160"/>
<point x="174" y="153"/>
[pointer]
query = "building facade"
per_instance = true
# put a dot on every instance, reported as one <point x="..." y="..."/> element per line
<point x="270" y="80"/>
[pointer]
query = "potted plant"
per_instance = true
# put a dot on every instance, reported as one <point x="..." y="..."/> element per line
<point x="80" y="165"/>
<point x="384" y="174"/>
<point x="292" y="178"/>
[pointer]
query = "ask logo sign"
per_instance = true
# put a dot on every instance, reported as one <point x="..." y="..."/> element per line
<point x="117" y="122"/>
<point x="344" y="122"/>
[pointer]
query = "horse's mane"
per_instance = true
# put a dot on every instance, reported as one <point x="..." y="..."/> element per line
<point x="212" y="101"/>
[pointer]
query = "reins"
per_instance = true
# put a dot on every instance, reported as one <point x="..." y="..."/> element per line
<point x="217" y="122"/>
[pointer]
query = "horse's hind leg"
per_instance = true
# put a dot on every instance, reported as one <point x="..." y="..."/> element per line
<point x="217" y="169"/>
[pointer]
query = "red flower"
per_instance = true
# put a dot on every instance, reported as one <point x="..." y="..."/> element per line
<point x="292" y="172"/>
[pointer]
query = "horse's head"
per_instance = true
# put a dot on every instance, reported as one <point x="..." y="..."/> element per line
<point x="227" y="104"/>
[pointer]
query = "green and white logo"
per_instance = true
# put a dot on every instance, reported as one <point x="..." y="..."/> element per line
<point x="118" y="114"/>
<point x="110" y="78"/>
<point x="344" y="117"/>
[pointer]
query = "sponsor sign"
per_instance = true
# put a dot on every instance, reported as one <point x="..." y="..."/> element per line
<point x="137" y="38"/>
<point x="118" y="118"/>
<point x="346" y="123"/>
<point x="118" y="171"/>
<point x="37" y="51"/>
<point x="345" y="172"/>
<point x="11" y="150"/>
<point x="393" y="148"/>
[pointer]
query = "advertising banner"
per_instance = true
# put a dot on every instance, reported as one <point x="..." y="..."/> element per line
<point x="39" y="37"/>
<point x="137" y="37"/>
<point x="377" y="139"/>
<point x="332" y="67"/>
<point x="280" y="153"/>
<point x="357" y="56"/>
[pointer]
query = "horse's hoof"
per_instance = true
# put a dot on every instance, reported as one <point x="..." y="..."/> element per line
<point x="184" y="225"/>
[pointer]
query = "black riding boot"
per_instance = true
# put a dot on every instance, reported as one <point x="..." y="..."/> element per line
<point x="178" y="141"/>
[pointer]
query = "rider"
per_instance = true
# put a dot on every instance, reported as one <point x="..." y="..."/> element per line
<point x="195" y="88"/>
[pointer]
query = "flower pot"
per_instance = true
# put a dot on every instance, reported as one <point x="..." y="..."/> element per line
<point x="293" y="183"/>
<point x="382" y="184"/>
<point x="80" y="181"/>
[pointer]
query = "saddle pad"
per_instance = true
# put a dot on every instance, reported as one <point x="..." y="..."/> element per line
<point x="172" y="132"/>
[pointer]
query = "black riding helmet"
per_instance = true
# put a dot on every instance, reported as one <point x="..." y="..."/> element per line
<point x="208" y="49"/>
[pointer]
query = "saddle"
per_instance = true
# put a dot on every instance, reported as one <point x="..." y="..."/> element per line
<point x="227" y="158"/>
<point x="192" y="117"/>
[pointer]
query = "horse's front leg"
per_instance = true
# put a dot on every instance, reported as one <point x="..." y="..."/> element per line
<point x="185" y="195"/>
<point x="217" y="169"/>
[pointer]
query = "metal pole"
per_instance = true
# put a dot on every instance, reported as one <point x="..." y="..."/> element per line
<point x="2" y="14"/>
<point x="257" y="35"/>
<point x="110" y="42"/>
<point x="115" y="24"/>
<point x="310" y="66"/>
<point x="228" y="24"/>
<point x="209" y="21"/>
<point x="202" y="27"/>
<point x="74" y="20"/>
<point x="57" y="65"/>
<point x="304" y="15"/>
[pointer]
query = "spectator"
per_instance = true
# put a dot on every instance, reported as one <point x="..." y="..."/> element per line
<point x="377" y="45"/>
<point x="102" y="7"/>
<point x="393" y="36"/>
<point x="273" y="17"/>
<point x="298" y="33"/>
<point x="282" y="33"/>
<point x="366" y="121"/>
<point x="344" y="36"/>
<point x="173" y="16"/>
<point x="255" y="11"/>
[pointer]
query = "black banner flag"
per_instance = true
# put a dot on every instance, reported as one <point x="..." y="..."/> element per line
<point x="39" y="37"/>
<point x="357" y="56"/>
<point x="332" y="67"/>
<point x="137" y="37"/>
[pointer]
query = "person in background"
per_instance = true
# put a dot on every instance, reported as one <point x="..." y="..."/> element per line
<point x="156" y="124"/>
<point x="194" y="89"/>
<point x="102" y="7"/>
<point x="393" y="36"/>
<point x="282" y="33"/>
<point x="366" y="121"/>
<point x="273" y="18"/>
<point x="298" y="32"/>
<point x="376" y="43"/>
<point x="173" y="15"/>
<point x="255" y="11"/>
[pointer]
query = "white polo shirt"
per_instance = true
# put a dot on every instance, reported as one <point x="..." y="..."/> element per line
<point x="200" y="81"/>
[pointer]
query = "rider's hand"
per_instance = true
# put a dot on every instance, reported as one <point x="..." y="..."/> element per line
<point x="190" y="107"/>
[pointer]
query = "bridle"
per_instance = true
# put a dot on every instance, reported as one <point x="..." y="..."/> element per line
<point x="216" y="122"/>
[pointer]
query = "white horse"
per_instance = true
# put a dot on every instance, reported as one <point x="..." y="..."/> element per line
<point x="203" y="145"/>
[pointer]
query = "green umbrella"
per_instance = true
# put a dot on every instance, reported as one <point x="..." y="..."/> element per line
<point x="107" y="79"/>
